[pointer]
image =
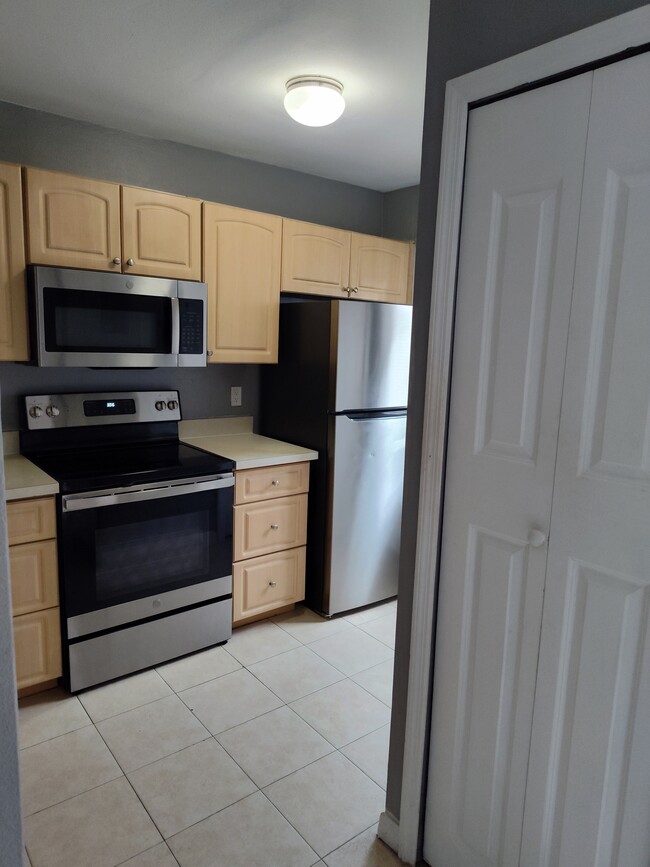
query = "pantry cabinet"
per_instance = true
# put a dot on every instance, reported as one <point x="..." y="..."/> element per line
<point x="241" y="264"/>
<point x="270" y="534"/>
<point x="13" y="294"/>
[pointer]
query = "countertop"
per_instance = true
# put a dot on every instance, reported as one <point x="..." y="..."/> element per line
<point x="234" y="438"/>
<point x="24" y="479"/>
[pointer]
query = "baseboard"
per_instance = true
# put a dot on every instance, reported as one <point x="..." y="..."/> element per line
<point x="388" y="830"/>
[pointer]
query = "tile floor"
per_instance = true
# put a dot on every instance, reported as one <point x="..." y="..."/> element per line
<point x="269" y="751"/>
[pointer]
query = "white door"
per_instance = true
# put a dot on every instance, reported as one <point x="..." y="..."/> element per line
<point x="588" y="801"/>
<point x="516" y="262"/>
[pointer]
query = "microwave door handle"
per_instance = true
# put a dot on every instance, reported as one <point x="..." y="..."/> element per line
<point x="176" y="327"/>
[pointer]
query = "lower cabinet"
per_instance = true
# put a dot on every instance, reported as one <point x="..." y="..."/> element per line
<point x="35" y="591"/>
<point x="270" y="534"/>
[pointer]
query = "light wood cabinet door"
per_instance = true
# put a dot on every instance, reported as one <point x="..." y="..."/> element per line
<point x="241" y="265"/>
<point x="261" y="528"/>
<point x="72" y="222"/>
<point x="315" y="259"/>
<point x="37" y="645"/>
<point x="31" y="520"/>
<point x="379" y="268"/>
<point x="161" y="234"/>
<point x="34" y="576"/>
<point x="266" y="583"/>
<point x="14" y="344"/>
<point x="265" y="483"/>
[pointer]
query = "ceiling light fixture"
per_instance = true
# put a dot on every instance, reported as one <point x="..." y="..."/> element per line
<point x="314" y="100"/>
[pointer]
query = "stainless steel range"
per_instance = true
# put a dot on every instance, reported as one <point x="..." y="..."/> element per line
<point x="145" y="531"/>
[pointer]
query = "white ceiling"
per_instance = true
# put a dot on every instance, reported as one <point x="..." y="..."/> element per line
<point x="211" y="73"/>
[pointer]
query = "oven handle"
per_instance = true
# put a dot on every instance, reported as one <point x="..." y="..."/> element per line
<point x="77" y="502"/>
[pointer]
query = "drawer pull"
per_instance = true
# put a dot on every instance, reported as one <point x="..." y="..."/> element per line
<point x="274" y="526"/>
<point x="273" y="583"/>
<point x="275" y="483"/>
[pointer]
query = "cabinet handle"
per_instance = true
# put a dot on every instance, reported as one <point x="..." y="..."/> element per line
<point x="273" y="583"/>
<point x="274" y="526"/>
<point x="275" y="482"/>
<point x="117" y="261"/>
<point x="355" y="289"/>
<point x="130" y="262"/>
<point x="209" y="353"/>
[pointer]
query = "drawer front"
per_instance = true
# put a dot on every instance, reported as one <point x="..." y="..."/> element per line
<point x="34" y="576"/>
<point x="37" y="643"/>
<point x="268" y="582"/>
<point x="267" y="483"/>
<point x="31" y="520"/>
<point x="261" y="528"/>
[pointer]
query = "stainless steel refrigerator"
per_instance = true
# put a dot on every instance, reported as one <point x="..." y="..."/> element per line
<point x="340" y="387"/>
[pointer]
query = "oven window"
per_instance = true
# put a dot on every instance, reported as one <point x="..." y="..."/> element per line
<point x="80" y="321"/>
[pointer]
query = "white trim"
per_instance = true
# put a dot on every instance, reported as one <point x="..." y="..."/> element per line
<point x="388" y="830"/>
<point x="583" y="48"/>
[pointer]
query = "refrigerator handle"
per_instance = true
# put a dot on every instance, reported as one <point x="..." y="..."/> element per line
<point x="373" y="414"/>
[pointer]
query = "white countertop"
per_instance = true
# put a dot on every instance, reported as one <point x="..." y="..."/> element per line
<point x="24" y="479"/>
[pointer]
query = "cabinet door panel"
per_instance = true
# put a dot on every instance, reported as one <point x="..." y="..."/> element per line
<point x="266" y="483"/>
<point x="161" y="234"/>
<point x="379" y="268"/>
<point x="34" y="576"/>
<point x="13" y="291"/>
<point x="72" y="222"/>
<point x="31" y="520"/>
<point x="261" y="528"/>
<point x="241" y="265"/>
<point x="315" y="259"/>
<point x="37" y="644"/>
<point x="265" y="583"/>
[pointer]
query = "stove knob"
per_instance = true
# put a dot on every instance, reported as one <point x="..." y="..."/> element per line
<point x="36" y="411"/>
<point x="53" y="411"/>
<point x="172" y="404"/>
<point x="160" y="405"/>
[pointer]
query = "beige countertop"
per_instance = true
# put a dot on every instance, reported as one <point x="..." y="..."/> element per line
<point x="234" y="438"/>
<point x="24" y="479"/>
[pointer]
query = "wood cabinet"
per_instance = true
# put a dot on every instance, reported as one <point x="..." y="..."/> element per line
<point x="13" y="291"/>
<point x="35" y="592"/>
<point x="75" y="222"/>
<point x="241" y="265"/>
<point x="319" y="260"/>
<point x="270" y="534"/>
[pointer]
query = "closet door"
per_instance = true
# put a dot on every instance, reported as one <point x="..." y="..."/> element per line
<point x="520" y="219"/>
<point x="588" y="801"/>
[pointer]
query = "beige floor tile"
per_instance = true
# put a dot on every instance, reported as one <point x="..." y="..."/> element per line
<point x="378" y="681"/>
<point x="307" y="626"/>
<point x="365" y="615"/>
<point x="251" y="833"/>
<point x="229" y="700"/>
<point x="272" y="746"/>
<point x="383" y="629"/>
<point x="198" y="668"/>
<point x="158" y="856"/>
<point x="151" y="732"/>
<point x="48" y="715"/>
<point x="328" y="802"/>
<point x="126" y="694"/>
<point x="63" y="767"/>
<point x="370" y="754"/>
<point x="259" y="641"/>
<point x="102" y="828"/>
<point x="343" y="712"/>
<point x="352" y="651"/>
<point x="295" y="673"/>
<point x="189" y="786"/>
<point x="366" y="850"/>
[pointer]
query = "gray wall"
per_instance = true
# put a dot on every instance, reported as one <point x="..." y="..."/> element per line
<point x="401" y="214"/>
<point x="463" y="35"/>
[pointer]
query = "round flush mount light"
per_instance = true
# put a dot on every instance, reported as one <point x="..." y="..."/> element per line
<point x="314" y="100"/>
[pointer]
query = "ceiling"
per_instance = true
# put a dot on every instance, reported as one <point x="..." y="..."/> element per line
<point x="211" y="73"/>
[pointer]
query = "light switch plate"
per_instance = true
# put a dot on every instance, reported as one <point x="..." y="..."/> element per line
<point x="235" y="395"/>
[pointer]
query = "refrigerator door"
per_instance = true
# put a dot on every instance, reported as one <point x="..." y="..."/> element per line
<point x="372" y="350"/>
<point x="365" y="509"/>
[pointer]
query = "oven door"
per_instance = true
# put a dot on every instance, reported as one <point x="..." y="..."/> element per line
<point x="129" y="555"/>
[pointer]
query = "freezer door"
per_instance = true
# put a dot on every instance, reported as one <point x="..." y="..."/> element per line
<point x="372" y="350"/>
<point x="366" y="509"/>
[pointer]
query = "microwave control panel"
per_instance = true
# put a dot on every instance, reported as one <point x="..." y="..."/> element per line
<point x="191" y="326"/>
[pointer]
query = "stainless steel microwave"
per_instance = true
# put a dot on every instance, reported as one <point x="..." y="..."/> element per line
<point x="97" y="319"/>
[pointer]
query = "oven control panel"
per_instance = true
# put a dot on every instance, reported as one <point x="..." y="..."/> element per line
<point x="46" y="411"/>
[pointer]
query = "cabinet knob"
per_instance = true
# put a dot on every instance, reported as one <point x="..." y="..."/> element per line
<point x="275" y="482"/>
<point x="274" y="526"/>
<point x="209" y="353"/>
<point x="355" y="289"/>
<point x="536" y="538"/>
<point x="273" y="583"/>
<point x="130" y="262"/>
<point x="117" y="261"/>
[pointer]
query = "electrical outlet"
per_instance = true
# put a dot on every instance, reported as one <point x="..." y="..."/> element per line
<point x="235" y="395"/>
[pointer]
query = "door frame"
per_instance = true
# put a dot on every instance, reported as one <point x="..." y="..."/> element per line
<point x="575" y="52"/>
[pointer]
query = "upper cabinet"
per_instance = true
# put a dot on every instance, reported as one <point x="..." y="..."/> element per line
<point x="77" y="222"/>
<point x="72" y="222"/>
<point x="318" y="260"/>
<point x="13" y="293"/>
<point x="241" y="265"/>
<point x="161" y="234"/>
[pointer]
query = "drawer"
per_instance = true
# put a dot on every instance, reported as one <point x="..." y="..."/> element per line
<point x="268" y="482"/>
<point x="31" y="520"/>
<point x="34" y="576"/>
<point x="268" y="582"/>
<point x="261" y="528"/>
<point x="37" y="643"/>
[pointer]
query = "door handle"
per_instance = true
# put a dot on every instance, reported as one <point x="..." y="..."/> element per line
<point x="536" y="538"/>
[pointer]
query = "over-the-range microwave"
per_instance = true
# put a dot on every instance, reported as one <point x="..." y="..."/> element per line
<point x="97" y="319"/>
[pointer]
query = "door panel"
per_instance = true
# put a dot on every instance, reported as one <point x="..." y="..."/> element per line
<point x="516" y="259"/>
<point x="315" y="259"/>
<point x="14" y="344"/>
<point x="589" y="781"/>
